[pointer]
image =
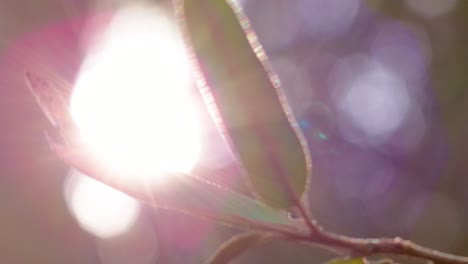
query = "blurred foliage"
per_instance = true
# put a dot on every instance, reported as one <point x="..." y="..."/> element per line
<point x="448" y="39"/>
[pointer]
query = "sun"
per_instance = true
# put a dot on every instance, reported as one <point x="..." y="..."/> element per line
<point x="132" y="99"/>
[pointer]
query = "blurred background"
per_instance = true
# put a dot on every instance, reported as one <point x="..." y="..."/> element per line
<point x="378" y="87"/>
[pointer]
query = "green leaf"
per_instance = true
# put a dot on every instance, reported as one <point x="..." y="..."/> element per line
<point x="245" y="98"/>
<point x="235" y="246"/>
<point x="347" y="261"/>
<point x="185" y="193"/>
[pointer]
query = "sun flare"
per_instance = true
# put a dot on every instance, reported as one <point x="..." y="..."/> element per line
<point x="98" y="208"/>
<point x="132" y="101"/>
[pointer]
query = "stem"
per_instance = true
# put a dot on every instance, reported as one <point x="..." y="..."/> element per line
<point x="371" y="246"/>
<point x="310" y="221"/>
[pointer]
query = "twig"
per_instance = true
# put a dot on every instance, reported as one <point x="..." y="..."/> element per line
<point x="371" y="246"/>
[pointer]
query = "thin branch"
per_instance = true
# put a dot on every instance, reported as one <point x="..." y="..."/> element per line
<point x="371" y="246"/>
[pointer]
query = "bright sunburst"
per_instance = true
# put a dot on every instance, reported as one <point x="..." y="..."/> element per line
<point x="132" y="98"/>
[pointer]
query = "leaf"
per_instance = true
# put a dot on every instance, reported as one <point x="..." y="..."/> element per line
<point x="347" y="261"/>
<point x="235" y="246"/>
<point x="184" y="193"/>
<point x="50" y="99"/>
<point x="53" y="103"/>
<point x="240" y="89"/>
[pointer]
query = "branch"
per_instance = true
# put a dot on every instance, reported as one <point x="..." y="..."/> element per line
<point x="371" y="246"/>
